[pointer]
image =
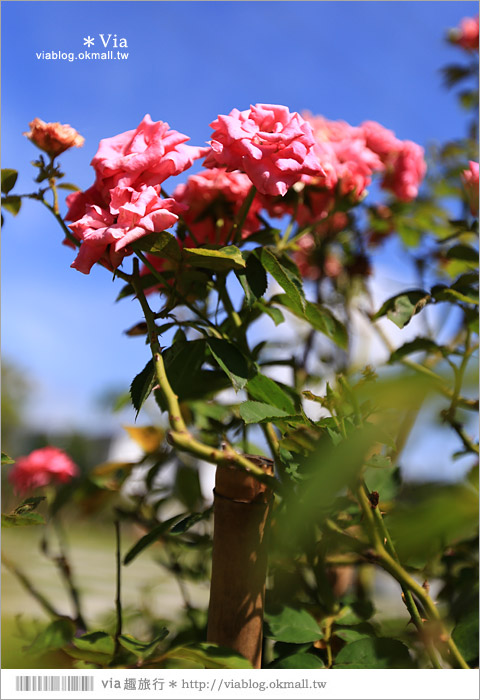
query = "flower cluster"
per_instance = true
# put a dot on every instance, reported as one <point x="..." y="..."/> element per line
<point x="41" y="468"/>
<point x="466" y="35"/>
<point x="124" y="203"/>
<point x="273" y="146"/>
<point x="212" y="200"/>
<point x="53" y="138"/>
<point x="470" y="181"/>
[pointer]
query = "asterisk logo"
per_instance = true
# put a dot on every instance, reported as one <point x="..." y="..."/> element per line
<point x="173" y="684"/>
<point x="88" y="41"/>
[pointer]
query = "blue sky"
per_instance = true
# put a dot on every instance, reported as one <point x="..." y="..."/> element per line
<point x="188" y="62"/>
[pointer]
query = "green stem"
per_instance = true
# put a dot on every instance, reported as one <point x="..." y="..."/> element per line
<point x="395" y="569"/>
<point x="118" y="591"/>
<point x="26" y="583"/>
<point x="242" y="215"/>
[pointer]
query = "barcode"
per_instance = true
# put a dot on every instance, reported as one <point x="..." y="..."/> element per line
<point x="53" y="683"/>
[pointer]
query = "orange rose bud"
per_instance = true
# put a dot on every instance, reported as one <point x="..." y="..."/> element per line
<point x="53" y="138"/>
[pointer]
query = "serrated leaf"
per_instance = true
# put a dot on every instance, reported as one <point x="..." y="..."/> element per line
<point x="462" y="252"/>
<point x="55" y="636"/>
<point x="231" y="361"/>
<point x="300" y="660"/>
<point x="151" y="537"/>
<point x="6" y="459"/>
<point x="9" y="178"/>
<point x="22" y="520"/>
<point x="142" y="649"/>
<point x="319" y="317"/>
<point x="291" y="625"/>
<point x="148" y="437"/>
<point x="253" y="279"/>
<point x="183" y="361"/>
<point x="266" y="390"/>
<point x="402" y="307"/>
<point x="256" y="412"/>
<point x="12" y="204"/>
<point x="228" y="258"/>
<point x="443" y="293"/>
<point x="291" y="284"/>
<point x="465" y="636"/>
<point x="374" y="653"/>
<point x="142" y="386"/>
<point x="355" y="632"/>
<point x="161" y="243"/>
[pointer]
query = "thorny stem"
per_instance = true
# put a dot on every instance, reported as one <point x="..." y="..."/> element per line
<point x="179" y="436"/>
<point x="395" y="569"/>
<point x="63" y="565"/>
<point x="184" y="301"/>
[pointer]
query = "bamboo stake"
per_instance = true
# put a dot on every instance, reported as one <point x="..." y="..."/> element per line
<point x="239" y="562"/>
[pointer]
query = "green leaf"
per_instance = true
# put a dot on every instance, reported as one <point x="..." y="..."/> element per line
<point x="462" y="252"/>
<point x="267" y="391"/>
<point x="417" y="345"/>
<point x="142" y="386"/>
<point x="374" y="653"/>
<point x="256" y="412"/>
<point x="183" y="361"/>
<point x="68" y="186"/>
<point x="355" y="632"/>
<point x="55" y="636"/>
<point x="228" y="258"/>
<point x="231" y="361"/>
<point x="206" y="655"/>
<point x="289" y="282"/>
<point x="402" y="307"/>
<point x="9" y="178"/>
<point x="386" y="481"/>
<point x="274" y="313"/>
<point x="12" y="204"/>
<point x="319" y="317"/>
<point x="190" y="521"/>
<point x="465" y="636"/>
<point x="142" y="649"/>
<point x="6" y="459"/>
<point x="253" y="279"/>
<point x="99" y="642"/>
<point x="150" y="538"/>
<point x="290" y="625"/>
<point x="160" y="243"/>
<point x="22" y="520"/>
<point x="300" y="660"/>
<point x="28" y="505"/>
<point x="443" y="293"/>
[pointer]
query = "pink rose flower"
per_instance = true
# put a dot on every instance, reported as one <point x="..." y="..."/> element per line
<point x="406" y="173"/>
<point x="53" y="138"/>
<point x="212" y="200"/>
<point x="106" y="234"/>
<point x="313" y="264"/>
<point x="147" y="155"/>
<point x="470" y="181"/>
<point x="466" y="35"/>
<point x="40" y="468"/>
<point x="380" y="140"/>
<point x="273" y="146"/>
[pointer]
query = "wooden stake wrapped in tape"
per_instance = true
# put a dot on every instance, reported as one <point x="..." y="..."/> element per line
<point x="239" y="562"/>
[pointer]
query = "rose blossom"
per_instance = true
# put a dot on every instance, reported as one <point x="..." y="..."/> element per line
<point x="147" y="155"/>
<point x="470" y="180"/>
<point x="42" y="467"/>
<point x="312" y="264"/>
<point x="272" y="145"/>
<point x="212" y="200"/>
<point x="105" y="234"/>
<point x="466" y="35"/>
<point x="407" y="172"/>
<point x="53" y="138"/>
